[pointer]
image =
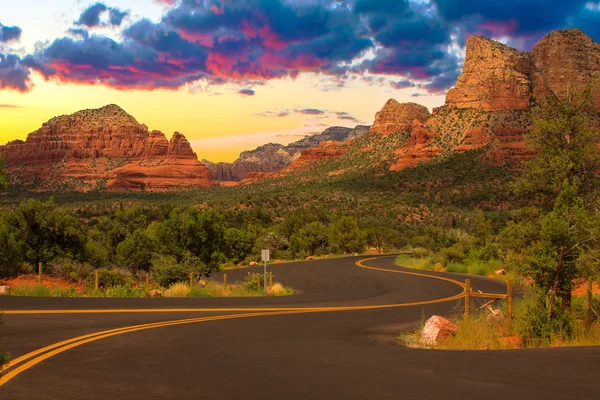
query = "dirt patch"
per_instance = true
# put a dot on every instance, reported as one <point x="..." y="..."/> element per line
<point x="581" y="288"/>
<point x="33" y="280"/>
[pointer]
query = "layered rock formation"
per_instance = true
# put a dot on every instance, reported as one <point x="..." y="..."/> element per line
<point x="491" y="105"/>
<point x="396" y="117"/>
<point x="272" y="157"/>
<point x="104" y="148"/>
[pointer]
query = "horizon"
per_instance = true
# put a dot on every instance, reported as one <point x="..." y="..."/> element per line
<point x="232" y="77"/>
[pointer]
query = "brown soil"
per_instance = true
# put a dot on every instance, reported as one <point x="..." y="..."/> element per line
<point x="32" y="280"/>
<point x="581" y="288"/>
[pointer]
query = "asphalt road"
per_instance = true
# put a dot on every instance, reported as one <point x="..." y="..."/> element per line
<point x="297" y="347"/>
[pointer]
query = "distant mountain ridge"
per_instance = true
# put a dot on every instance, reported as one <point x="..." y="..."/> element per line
<point x="274" y="157"/>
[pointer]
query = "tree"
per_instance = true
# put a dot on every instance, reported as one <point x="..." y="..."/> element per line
<point x="381" y="238"/>
<point x="345" y="235"/>
<point x="560" y="242"/>
<point x="239" y="244"/>
<point x="43" y="232"/>
<point x="136" y="251"/>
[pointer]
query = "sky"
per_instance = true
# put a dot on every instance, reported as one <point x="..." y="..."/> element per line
<point x="234" y="74"/>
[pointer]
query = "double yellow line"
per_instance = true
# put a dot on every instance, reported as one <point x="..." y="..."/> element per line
<point x="27" y="361"/>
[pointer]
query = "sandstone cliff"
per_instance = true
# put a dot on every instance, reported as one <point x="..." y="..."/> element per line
<point x="272" y="157"/>
<point x="104" y="148"/>
<point x="396" y="117"/>
<point x="491" y="105"/>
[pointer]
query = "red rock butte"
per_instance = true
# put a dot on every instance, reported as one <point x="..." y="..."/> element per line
<point x="104" y="148"/>
<point x="491" y="104"/>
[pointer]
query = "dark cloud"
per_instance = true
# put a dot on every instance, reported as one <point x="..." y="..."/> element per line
<point x="414" y="43"/>
<point x="90" y="17"/>
<point x="9" y="33"/>
<point x="349" y="118"/>
<point x="13" y="74"/>
<point x="9" y="106"/>
<point x="310" y="111"/>
<point x="247" y="92"/>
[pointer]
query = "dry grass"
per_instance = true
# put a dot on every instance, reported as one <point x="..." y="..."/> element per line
<point x="178" y="290"/>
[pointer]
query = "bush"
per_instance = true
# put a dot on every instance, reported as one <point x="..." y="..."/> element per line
<point x="536" y="327"/>
<point x="254" y="281"/>
<point x="455" y="253"/>
<point x="108" y="278"/>
<point x="167" y="271"/>
<point x="486" y="253"/>
<point x="70" y="270"/>
<point x="420" y="252"/>
<point x="125" y="291"/>
<point x="178" y="290"/>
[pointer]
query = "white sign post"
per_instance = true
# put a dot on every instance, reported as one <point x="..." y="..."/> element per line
<point x="265" y="256"/>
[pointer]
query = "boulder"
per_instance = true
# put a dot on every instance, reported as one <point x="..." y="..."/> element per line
<point x="436" y="329"/>
<point x="4" y="289"/>
<point x="500" y="272"/>
<point x="495" y="315"/>
<point x="253" y="264"/>
<point x="201" y="283"/>
<point x="155" y="293"/>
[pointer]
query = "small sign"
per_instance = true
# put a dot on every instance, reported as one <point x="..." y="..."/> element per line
<point x="265" y="255"/>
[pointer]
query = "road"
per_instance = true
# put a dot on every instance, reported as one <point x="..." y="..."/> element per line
<point x="335" y="339"/>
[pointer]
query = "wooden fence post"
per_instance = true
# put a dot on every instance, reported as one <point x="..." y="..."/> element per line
<point x="271" y="280"/>
<point x="191" y="279"/>
<point x="509" y="305"/>
<point x="96" y="280"/>
<point x="40" y="274"/>
<point x="588" y="303"/>
<point x="224" y="281"/>
<point x="467" y="299"/>
<point x="147" y="279"/>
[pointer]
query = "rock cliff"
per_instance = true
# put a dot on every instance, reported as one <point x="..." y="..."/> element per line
<point x="276" y="157"/>
<point x="492" y="104"/>
<point x="396" y="117"/>
<point x="104" y="148"/>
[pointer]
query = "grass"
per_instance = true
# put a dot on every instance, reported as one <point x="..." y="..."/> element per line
<point x="425" y="263"/>
<point x="475" y="267"/>
<point x="212" y="289"/>
<point x="483" y="333"/>
<point x="468" y="266"/>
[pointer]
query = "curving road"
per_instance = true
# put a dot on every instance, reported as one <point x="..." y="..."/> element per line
<point x="336" y="339"/>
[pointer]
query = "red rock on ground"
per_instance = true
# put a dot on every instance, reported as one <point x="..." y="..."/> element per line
<point x="436" y="329"/>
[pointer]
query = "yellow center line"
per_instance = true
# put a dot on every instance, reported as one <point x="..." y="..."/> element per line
<point x="57" y="348"/>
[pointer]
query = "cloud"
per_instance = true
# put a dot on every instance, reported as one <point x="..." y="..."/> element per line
<point x="90" y="17"/>
<point x="9" y="33"/>
<point x="247" y="92"/>
<point x="310" y="111"/>
<point x="404" y="43"/>
<point x="14" y="75"/>
<point x="9" y="106"/>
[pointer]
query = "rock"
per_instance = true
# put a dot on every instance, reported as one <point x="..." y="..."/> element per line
<point x="566" y="57"/>
<point x="495" y="315"/>
<point x="491" y="106"/>
<point x="4" y="289"/>
<point x="155" y="293"/>
<point x="436" y="329"/>
<point x="272" y="158"/>
<point x="105" y="148"/>
<point x="500" y="272"/>
<point x="398" y="117"/>
<point x="494" y="77"/>
<point x="309" y="258"/>
<point x="253" y="264"/>
<point x="201" y="283"/>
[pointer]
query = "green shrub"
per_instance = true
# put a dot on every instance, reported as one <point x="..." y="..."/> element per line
<point x="70" y="270"/>
<point x="455" y="253"/>
<point x="536" y="327"/>
<point x="108" y="278"/>
<point x="420" y="252"/>
<point x="254" y="281"/>
<point x="167" y="271"/>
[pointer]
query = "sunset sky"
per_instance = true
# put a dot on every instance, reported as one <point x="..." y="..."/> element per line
<point x="235" y="74"/>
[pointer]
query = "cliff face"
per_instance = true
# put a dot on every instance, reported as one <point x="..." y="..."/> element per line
<point x="272" y="157"/>
<point x="396" y="117"/>
<point x="104" y="148"/>
<point x="491" y="105"/>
